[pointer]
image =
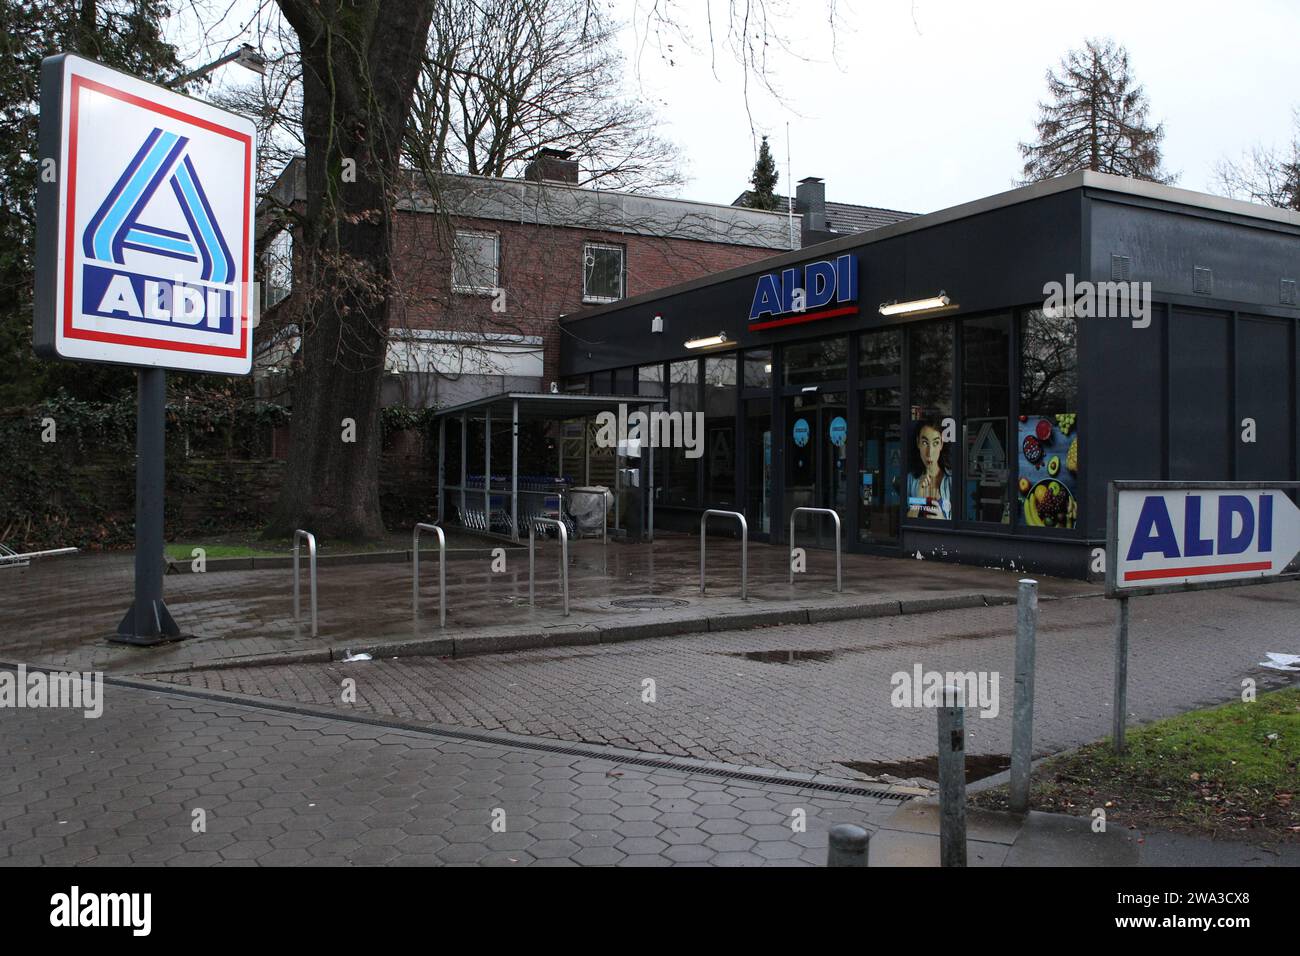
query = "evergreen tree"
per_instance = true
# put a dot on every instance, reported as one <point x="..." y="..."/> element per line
<point x="1097" y="119"/>
<point x="763" y="179"/>
<point x="126" y="34"/>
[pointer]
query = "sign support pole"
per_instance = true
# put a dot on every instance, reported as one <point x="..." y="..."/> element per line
<point x="1120" y="717"/>
<point x="148" y="622"/>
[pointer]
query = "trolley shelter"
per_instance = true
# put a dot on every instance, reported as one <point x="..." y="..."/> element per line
<point x="511" y="461"/>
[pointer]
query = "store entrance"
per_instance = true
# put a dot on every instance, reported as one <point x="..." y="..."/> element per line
<point x="816" y="443"/>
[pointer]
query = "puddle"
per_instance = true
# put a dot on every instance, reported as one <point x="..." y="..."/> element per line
<point x="784" y="657"/>
<point x="978" y="766"/>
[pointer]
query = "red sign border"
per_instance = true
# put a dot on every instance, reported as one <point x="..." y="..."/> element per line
<point x="80" y="83"/>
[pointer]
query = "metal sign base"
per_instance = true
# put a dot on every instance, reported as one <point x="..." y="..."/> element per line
<point x="155" y="626"/>
<point x="148" y="622"/>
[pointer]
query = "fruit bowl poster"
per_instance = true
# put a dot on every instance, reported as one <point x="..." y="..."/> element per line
<point x="1048" y="485"/>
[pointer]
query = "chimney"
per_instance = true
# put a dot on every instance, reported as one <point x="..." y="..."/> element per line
<point x="810" y="201"/>
<point x="552" y="166"/>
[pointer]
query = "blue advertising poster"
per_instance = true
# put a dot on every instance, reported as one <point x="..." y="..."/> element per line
<point x="1048" y="484"/>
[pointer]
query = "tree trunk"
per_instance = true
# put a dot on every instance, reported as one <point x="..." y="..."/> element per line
<point x="360" y="63"/>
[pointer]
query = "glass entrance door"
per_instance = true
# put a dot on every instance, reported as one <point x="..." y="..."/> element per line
<point x="758" y="464"/>
<point x="816" y="476"/>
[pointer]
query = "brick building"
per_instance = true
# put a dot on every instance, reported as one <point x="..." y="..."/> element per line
<point x="487" y="267"/>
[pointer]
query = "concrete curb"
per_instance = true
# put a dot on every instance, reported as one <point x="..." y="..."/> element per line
<point x="499" y="642"/>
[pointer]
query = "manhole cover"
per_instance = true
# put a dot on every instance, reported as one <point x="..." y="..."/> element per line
<point x="649" y="603"/>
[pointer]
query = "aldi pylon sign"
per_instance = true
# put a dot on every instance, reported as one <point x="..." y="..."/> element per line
<point x="145" y="224"/>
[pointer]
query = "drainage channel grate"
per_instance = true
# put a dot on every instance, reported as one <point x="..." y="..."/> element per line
<point x="649" y="603"/>
<point x="594" y="752"/>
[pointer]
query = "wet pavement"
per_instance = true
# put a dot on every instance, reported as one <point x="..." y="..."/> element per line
<point x="162" y="779"/>
<point x="60" y="612"/>
<point x="820" y="698"/>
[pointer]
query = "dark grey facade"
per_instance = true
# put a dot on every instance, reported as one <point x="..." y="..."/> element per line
<point x="843" y="417"/>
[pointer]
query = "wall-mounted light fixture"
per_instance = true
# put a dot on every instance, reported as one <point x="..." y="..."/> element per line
<point x="940" y="301"/>
<point x="657" y="325"/>
<point x="707" y="341"/>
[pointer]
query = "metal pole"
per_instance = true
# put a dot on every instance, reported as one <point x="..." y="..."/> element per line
<point x="310" y="538"/>
<point x="442" y="482"/>
<point x="650" y="491"/>
<point x="464" y="461"/>
<point x="952" y="779"/>
<point x="1022" y="727"/>
<point x="1121" y="679"/>
<point x="514" y="470"/>
<point x="487" y="468"/>
<point x="148" y="621"/>
<point x="848" y="845"/>
<point x="532" y="545"/>
<point x="442" y="571"/>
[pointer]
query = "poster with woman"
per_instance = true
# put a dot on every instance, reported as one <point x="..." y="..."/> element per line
<point x="929" y="480"/>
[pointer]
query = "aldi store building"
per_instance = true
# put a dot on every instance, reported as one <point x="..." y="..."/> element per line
<point x="963" y="385"/>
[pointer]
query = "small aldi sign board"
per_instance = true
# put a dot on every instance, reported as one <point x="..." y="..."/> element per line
<point x="1181" y="536"/>
<point x="144" y="224"/>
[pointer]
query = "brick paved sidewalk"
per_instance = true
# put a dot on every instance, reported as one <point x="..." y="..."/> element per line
<point x="287" y="789"/>
<point x="817" y="698"/>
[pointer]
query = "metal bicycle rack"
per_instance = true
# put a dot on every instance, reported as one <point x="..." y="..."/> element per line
<point x="311" y="564"/>
<point x="564" y="557"/>
<point x="839" y="581"/>
<point x="442" y="571"/>
<point x="744" y="547"/>
<point x="9" y="558"/>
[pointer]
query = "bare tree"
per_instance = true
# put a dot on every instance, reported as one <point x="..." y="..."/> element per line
<point x="1265" y="174"/>
<point x="1097" y="120"/>
<point x="506" y="78"/>
<point x="359" y="61"/>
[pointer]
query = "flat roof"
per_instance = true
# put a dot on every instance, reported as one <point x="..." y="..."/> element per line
<point x="547" y="405"/>
<point x="1084" y="179"/>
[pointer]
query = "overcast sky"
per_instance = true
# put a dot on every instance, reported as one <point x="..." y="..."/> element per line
<point x="920" y="105"/>
<point x="924" y="103"/>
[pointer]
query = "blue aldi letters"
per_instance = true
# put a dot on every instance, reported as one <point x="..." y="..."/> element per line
<point x="1155" y="530"/>
<point x="822" y="283"/>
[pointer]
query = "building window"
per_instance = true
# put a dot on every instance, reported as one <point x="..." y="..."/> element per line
<point x="1047" y="441"/>
<point x="476" y="262"/>
<point x="930" y="475"/>
<point x="277" y="263"/>
<point x="682" y="484"/>
<point x="811" y="363"/>
<point x="602" y="272"/>
<point x="650" y="381"/>
<point x="758" y="368"/>
<point x="720" y="431"/>
<point x="986" y="411"/>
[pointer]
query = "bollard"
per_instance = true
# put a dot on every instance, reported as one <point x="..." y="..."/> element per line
<point x="848" y="845"/>
<point x="1022" y="726"/>
<point x="952" y="779"/>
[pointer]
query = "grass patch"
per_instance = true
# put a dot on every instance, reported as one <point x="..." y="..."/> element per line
<point x="1230" y="771"/>
<point x="251" y="544"/>
<point x="184" y="552"/>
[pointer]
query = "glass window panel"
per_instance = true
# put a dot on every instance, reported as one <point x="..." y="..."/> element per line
<point x="758" y="368"/>
<point x="720" y="394"/>
<point x="809" y="363"/>
<point x="1047" y="437"/>
<point x="602" y="273"/>
<point x="475" y="262"/>
<point x="880" y="354"/>
<point x="681" y="485"/>
<point x="929" y="476"/>
<point x="986" y="411"/>
<point x="650" y="381"/>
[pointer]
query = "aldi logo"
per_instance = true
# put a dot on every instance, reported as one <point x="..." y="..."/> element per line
<point x="145" y="230"/>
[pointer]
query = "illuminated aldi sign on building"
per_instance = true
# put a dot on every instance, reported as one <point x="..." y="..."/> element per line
<point x="820" y="290"/>
<point x="145" y="213"/>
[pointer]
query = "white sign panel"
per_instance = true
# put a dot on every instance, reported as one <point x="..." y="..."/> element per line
<point x="1191" y="536"/>
<point x="145" y="227"/>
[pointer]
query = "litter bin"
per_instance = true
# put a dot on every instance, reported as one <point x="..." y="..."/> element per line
<point x="586" y="510"/>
